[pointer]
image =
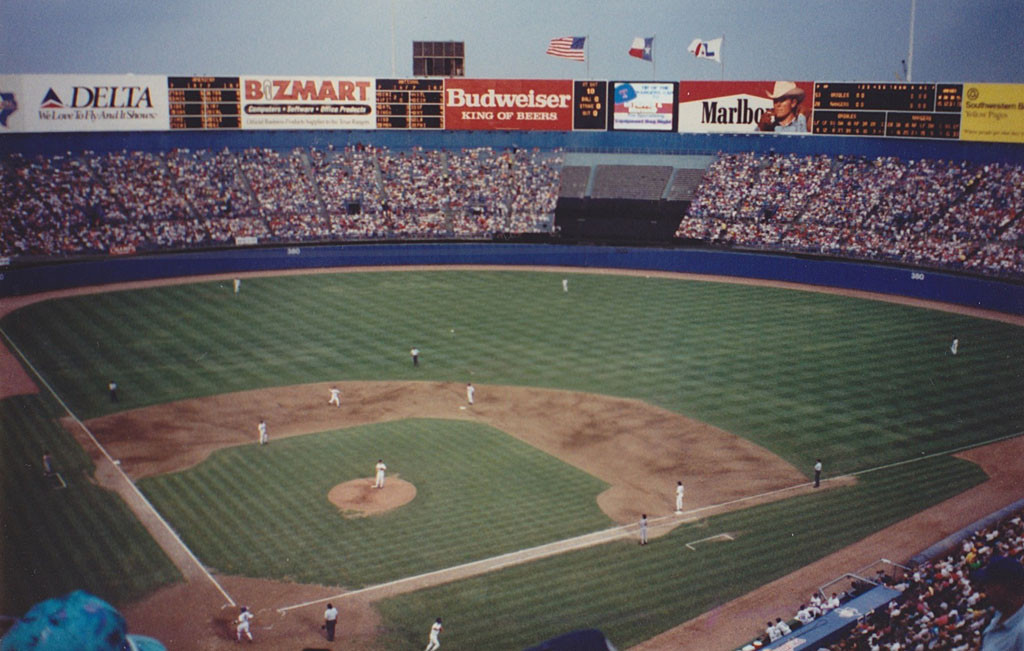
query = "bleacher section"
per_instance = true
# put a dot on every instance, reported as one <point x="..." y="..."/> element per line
<point x="640" y="182"/>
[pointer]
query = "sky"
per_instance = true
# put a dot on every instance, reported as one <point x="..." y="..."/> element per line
<point x="811" y="40"/>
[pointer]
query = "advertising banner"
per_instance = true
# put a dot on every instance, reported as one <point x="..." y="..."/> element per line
<point x="993" y="113"/>
<point x="46" y="103"/>
<point x="277" y="102"/>
<point x="508" y="104"/>
<point x="745" y="106"/>
<point x="643" y="106"/>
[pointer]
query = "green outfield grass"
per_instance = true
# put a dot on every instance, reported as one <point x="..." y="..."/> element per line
<point x="55" y="540"/>
<point x="263" y="511"/>
<point x="632" y="593"/>
<point x="855" y="382"/>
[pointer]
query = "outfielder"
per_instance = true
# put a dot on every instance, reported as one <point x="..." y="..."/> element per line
<point x="679" y="497"/>
<point x="435" y="630"/>
<point x="954" y="346"/>
<point x="243" y="624"/>
<point x="237" y="284"/>
<point x="379" y="482"/>
<point x="262" y="429"/>
<point x="335" y="397"/>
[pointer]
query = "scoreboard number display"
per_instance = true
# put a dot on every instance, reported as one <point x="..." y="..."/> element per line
<point x="204" y="102"/>
<point x="590" y="105"/>
<point x="898" y="110"/>
<point x="410" y="103"/>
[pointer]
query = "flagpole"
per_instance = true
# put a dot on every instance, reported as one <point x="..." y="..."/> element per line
<point x="586" y="44"/>
<point x="910" y="54"/>
<point x="722" y="59"/>
<point x="654" y="70"/>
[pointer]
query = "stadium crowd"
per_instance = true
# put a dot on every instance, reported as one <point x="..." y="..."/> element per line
<point x="924" y="213"/>
<point x="927" y="213"/>
<point x="942" y="604"/>
<point x="123" y="202"/>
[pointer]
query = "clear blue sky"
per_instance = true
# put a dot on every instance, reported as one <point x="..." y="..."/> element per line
<point x="826" y="40"/>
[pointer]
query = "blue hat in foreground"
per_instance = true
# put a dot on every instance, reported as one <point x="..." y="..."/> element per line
<point x="1002" y="570"/>
<point x="77" y="620"/>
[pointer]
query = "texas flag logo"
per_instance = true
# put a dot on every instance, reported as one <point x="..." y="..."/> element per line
<point x="8" y="105"/>
<point x="642" y="48"/>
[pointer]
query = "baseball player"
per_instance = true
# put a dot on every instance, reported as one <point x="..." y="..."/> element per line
<point x="643" y="529"/>
<point x="112" y="386"/>
<point x="330" y="621"/>
<point x="47" y="464"/>
<point x="243" y="620"/>
<point x="415" y="353"/>
<point x="435" y="630"/>
<point x="335" y="397"/>
<point x="565" y="284"/>
<point x="679" y="497"/>
<point x="379" y="482"/>
<point x="262" y="429"/>
<point x="954" y="346"/>
<point x="470" y="390"/>
<point x="817" y="473"/>
<point x="238" y="284"/>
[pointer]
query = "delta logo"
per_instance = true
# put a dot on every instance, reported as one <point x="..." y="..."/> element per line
<point x="100" y="97"/>
<point x="8" y="105"/>
<point x="98" y="104"/>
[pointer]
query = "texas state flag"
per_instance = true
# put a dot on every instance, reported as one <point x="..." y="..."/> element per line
<point x="643" y="48"/>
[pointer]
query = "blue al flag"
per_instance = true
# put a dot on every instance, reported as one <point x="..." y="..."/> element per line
<point x="706" y="49"/>
<point x="642" y="48"/>
<point x="569" y="47"/>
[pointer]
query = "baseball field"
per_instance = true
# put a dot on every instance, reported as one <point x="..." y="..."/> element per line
<point x="589" y="406"/>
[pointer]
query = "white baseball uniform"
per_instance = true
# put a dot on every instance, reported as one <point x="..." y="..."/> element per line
<point x="262" y="429"/>
<point x="679" y="498"/>
<point x="238" y="284"/>
<point x="954" y="346"/>
<point x="565" y="284"/>
<point x="243" y="624"/>
<point x="435" y="630"/>
<point x="335" y="397"/>
<point x="379" y="483"/>
<point x="470" y="390"/>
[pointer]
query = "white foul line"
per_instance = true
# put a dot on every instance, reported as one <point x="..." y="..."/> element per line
<point x="117" y="467"/>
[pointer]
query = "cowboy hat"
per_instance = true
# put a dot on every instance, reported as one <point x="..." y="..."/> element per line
<point x="786" y="89"/>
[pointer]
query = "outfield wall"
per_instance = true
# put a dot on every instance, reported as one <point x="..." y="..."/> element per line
<point x="915" y="283"/>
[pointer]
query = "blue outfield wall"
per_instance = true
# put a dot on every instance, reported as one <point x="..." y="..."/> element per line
<point x="961" y="290"/>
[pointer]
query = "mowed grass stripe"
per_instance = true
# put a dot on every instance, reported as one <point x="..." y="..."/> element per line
<point x="633" y="592"/>
<point x="480" y="493"/>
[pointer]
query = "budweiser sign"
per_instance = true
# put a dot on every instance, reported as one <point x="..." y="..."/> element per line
<point x="508" y="104"/>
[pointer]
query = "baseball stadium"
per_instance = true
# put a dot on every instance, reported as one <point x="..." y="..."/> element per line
<point x="540" y="321"/>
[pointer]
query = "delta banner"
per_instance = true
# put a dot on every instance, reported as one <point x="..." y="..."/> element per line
<point x="993" y="113"/>
<point x="508" y="104"/>
<point x="643" y="106"/>
<point x="733" y="106"/>
<point x="279" y="102"/>
<point x="48" y="103"/>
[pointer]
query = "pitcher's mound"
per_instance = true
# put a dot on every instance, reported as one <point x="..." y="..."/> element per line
<point x="358" y="498"/>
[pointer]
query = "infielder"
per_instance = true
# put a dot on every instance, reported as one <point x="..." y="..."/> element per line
<point x="643" y="529"/>
<point x="469" y="393"/>
<point x="379" y="482"/>
<point x="262" y="429"/>
<point x="415" y="353"/>
<point x="243" y="620"/>
<point x="435" y="630"/>
<point x="335" y="397"/>
<point x="679" y="497"/>
<point x="817" y="473"/>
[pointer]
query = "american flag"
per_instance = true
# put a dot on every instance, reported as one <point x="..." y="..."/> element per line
<point x="569" y="47"/>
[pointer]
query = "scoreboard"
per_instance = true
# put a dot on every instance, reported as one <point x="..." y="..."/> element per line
<point x="901" y="110"/>
<point x="590" y="105"/>
<point x="410" y="103"/>
<point x="204" y="102"/>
